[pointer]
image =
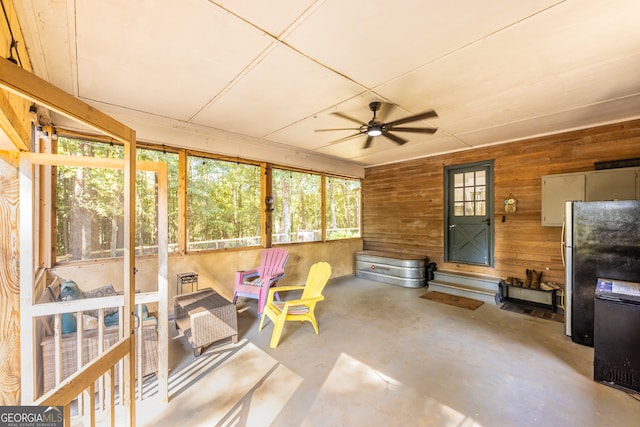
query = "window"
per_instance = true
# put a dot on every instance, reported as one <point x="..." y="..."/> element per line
<point x="146" y="198"/>
<point x="223" y="207"/>
<point x="470" y="193"/>
<point x="223" y="204"/>
<point x="298" y="215"/>
<point x="342" y="208"/>
<point x="89" y="204"/>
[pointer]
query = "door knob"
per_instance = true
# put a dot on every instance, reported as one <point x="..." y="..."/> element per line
<point x="452" y="226"/>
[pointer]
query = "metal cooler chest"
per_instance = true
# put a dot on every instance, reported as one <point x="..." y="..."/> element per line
<point x="404" y="270"/>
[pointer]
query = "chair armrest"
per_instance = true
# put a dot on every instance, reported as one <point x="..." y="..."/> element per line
<point x="302" y="301"/>
<point x="270" y="278"/>
<point x="272" y="291"/>
<point x="244" y="274"/>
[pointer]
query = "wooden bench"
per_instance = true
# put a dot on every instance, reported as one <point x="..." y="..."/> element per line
<point x="205" y="317"/>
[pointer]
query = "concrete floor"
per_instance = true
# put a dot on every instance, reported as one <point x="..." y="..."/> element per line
<point x="384" y="357"/>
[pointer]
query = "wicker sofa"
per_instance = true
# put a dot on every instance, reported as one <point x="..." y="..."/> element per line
<point x="69" y="290"/>
<point x="90" y="351"/>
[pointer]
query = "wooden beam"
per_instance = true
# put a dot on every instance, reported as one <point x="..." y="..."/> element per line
<point x="129" y="271"/>
<point x="12" y="124"/>
<point x="266" y="214"/>
<point x="85" y="161"/>
<point x="23" y="83"/>
<point x="163" y="283"/>
<point x="182" y="201"/>
<point x="323" y="207"/>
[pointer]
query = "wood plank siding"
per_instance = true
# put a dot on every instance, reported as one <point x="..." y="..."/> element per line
<point x="403" y="202"/>
<point x="9" y="281"/>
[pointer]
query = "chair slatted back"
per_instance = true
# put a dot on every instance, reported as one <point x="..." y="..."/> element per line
<point x="273" y="261"/>
<point x="316" y="280"/>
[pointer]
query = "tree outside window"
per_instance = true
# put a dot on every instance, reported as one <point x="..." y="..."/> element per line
<point x="223" y="208"/>
<point x="90" y="204"/>
<point x="342" y="208"/>
<point x="298" y="200"/>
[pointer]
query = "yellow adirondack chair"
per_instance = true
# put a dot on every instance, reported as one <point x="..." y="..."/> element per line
<point x="301" y="309"/>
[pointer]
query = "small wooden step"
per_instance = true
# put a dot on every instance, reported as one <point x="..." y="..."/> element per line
<point x="475" y="286"/>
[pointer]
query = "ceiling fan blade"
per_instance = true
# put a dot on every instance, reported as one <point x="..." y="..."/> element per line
<point x="367" y="143"/>
<point x="421" y="116"/>
<point x="395" y="138"/>
<point x="330" y="130"/>
<point x="414" y="130"/>
<point x="345" y="138"/>
<point x="344" y="116"/>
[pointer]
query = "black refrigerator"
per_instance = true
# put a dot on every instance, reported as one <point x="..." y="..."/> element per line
<point x="600" y="240"/>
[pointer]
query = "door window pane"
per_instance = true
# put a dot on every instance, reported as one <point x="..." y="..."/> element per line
<point x="469" y="179"/>
<point x="470" y="188"/>
<point x="458" y="180"/>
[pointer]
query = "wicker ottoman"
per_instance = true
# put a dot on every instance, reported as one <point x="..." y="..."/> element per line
<point x="205" y="317"/>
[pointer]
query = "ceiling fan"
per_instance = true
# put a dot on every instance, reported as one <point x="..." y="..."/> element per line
<point x="376" y="127"/>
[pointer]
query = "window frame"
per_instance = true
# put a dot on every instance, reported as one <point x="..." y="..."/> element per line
<point x="266" y="216"/>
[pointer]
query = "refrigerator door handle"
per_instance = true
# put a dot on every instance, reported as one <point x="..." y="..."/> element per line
<point x="563" y="244"/>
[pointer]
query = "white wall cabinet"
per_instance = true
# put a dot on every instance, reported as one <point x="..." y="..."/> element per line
<point x="556" y="190"/>
<point x="607" y="184"/>
<point x="611" y="184"/>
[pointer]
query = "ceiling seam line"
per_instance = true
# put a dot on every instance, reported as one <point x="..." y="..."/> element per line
<point x="235" y="79"/>
<point x="276" y="40"/>
<point x="468" y="45"/>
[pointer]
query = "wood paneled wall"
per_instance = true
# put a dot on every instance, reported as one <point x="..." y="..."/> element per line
<point x="9" y="281"/>
<point x="403" y="202"/>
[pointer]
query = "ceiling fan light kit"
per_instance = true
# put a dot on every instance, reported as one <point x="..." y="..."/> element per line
<point x="377" y="128"/>
<point x="374" y="131"/>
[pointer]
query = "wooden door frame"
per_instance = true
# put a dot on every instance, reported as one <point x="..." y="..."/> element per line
<point x="27" y="85"/>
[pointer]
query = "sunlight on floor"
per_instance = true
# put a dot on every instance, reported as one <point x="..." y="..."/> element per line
<point x="369" y="396"/>
<point x="237" y="384"/>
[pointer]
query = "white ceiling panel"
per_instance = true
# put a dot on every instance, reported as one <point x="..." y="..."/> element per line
<point x="165" y="57"/>
<point x="236" y="75"/>
<point x="377" y="42"/>
<point x="287" y="74"/>
<point x="597" y="114"/>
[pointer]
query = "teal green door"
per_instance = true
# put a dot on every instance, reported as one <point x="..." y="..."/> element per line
<point x="468" y="214"/>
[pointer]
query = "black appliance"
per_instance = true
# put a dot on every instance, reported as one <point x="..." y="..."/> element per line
<point x="617" y="335"/>
<point x="601" y="240"/>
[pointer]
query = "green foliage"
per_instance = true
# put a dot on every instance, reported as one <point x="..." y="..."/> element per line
<point x="223" y="208"/>
<point x="223" y="204"/>
<point x="298" y="206"/>
<point x="90" y="203"/>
